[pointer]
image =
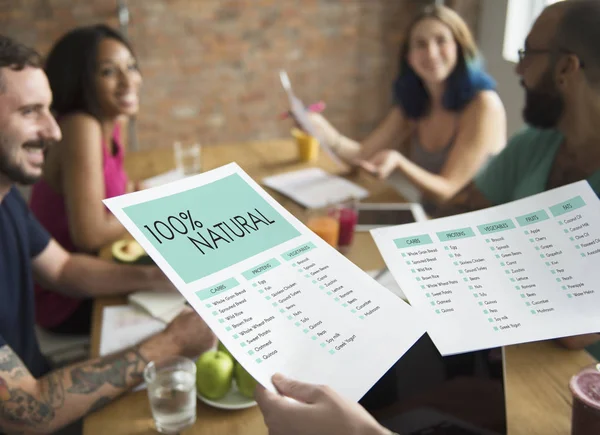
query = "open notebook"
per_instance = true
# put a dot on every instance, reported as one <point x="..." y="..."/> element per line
<point x="124" y="326"/>
<point x="161" y="306"/>
<point x="315" y="188"/>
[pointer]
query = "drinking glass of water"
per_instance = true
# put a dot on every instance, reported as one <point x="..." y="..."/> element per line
<point x="187" y="157"/>
<point x="172" y="393"/>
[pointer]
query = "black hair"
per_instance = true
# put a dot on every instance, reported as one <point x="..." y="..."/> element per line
<point x="71" y="68"/>
<point x="16" y="56"/>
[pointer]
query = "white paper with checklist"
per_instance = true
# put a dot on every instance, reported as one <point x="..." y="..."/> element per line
<point x="278" y="297"/>
<point x="520" y="272"/>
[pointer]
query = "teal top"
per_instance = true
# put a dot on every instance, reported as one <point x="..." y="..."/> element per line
<point x="523" y="167"/>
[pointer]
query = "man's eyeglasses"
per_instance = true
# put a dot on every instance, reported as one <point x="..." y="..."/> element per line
<point x="523" y="52"/>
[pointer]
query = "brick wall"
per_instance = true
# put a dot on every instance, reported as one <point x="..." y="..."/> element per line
<point x="210" y="66"/>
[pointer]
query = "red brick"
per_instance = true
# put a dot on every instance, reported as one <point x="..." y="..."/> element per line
<point x="210" y="66"/>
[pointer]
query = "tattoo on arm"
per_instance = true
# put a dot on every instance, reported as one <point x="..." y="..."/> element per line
<point x="17" y="406"/>
<point x="468" y="199"/>
<point x="53" y="391"/>
<point x="10" y="364"/>
<point x="114" y="370"/>
<point x="21" y="409"/>
<point x="8" y="360"/>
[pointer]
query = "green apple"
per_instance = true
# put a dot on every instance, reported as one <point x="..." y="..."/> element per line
<point x="245" y="382"/>
<point x="214" y="373"/>
<point x="222" y="348"/>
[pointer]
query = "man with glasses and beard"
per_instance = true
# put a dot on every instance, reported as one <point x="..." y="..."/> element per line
<point x="560" y="72"/>
<point x="33" y="398"/>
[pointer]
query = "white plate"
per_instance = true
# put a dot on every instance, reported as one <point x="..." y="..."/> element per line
<point x="232" y="400"/>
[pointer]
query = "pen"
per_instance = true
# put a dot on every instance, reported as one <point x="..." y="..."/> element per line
<point x="315" y="107"/>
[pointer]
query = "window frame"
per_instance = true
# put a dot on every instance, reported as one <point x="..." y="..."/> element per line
<point x="520" y="16"/>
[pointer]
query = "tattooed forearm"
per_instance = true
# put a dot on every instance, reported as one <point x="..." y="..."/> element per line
<point x="21" y="408"/>
<point x="50" y="402"/>
<point x="468" y="199"/>
<point x="52" y="389"/>
<point x="18" y="374"/>
<point x="114" y="371"/>
<point x="9" y="362"/>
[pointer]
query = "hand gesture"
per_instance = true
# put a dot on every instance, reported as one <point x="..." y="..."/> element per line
<point x="316" y="410"/>
<point x="191" y="334"/>
<point x="382" y="164"/>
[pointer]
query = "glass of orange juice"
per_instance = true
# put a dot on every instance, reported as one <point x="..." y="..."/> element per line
<point x="325" y="223"/>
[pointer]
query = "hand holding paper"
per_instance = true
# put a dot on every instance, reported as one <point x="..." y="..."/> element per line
<point x="301" y="115"/>
<point x="315" y="409"/>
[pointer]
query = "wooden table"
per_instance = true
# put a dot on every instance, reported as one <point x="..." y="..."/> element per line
<point x="538" y="400"/>
<point x="537" y="374"/>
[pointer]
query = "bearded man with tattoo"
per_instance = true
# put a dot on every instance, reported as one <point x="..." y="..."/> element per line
<point x="559" y="68"/>
<point x="34" y="399"/>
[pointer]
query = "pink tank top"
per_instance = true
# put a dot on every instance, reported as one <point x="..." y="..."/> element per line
<point x="51" y="308"/>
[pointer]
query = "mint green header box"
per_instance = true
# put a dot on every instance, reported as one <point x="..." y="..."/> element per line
<point x="260" y="269"/>
<point x="414" y="241"/>
<point x="532" y="218"/>
<point x="567" y="206"/>
<point x="300" y="250"/>
<point x="217" y="289"/>
<point x="460" y="233"/>
<point x="211" y="227"/>
<point x="496" y="227"/>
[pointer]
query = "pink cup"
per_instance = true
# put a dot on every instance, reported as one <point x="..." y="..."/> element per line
<point x="585" y="387"/>
<point x="348" y="217"/>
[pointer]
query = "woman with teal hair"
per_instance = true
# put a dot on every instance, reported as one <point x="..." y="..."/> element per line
<point x="447" y="120"/>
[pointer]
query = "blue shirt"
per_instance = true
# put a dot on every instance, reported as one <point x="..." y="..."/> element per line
<point x="21" y="239"/>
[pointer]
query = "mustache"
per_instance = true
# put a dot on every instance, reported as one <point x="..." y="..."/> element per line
<point x="41" y="144"/>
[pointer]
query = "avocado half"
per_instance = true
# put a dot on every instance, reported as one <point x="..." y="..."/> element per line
<point x="130" y="252"/>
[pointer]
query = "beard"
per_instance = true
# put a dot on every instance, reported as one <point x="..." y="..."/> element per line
<point x="10" y="168"/>
<point x="544" y="105"/>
